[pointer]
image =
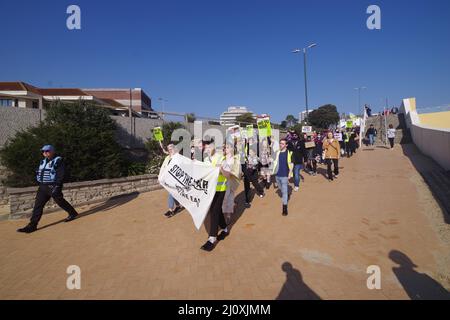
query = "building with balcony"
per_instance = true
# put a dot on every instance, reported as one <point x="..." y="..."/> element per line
<point x="228" y="118"/>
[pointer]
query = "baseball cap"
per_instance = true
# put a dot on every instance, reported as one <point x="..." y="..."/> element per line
<point x="48" y="147"/>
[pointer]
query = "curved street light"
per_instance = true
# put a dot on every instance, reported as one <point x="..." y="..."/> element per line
<point x="312" y="45"/>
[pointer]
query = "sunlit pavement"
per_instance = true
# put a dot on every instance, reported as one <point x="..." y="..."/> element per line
<point x="379" y="212"/>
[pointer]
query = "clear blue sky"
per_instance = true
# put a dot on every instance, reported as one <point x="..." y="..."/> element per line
<point x="203" y="56"/>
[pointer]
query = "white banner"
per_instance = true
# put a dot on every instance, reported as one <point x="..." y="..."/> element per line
<point x="192" y="184"/>
<point x="362" y="127"/>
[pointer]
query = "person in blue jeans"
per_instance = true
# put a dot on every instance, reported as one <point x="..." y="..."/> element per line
<point x="297" y="147"/>
<point x="282" y="169"/>
<point x="371" y="134"/>
<point x="173" y="205"/>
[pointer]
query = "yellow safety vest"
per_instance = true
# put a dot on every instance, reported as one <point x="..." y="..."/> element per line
<point x="221" y="180"/>
<point x="289" y="160"/>
<point x="347" y="137"/>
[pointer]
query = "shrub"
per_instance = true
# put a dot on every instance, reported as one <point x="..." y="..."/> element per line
<point x="82" y="133"/>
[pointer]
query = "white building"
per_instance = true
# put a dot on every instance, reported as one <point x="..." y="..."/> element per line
<point x="302" y="115"/>
<point x="228" y="118"/>
<point x="23" y="95"/>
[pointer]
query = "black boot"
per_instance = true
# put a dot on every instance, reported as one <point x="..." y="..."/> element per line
<point x="28" y="229"/>
<point x="71" y="217"/>
<point x="285" y="211"/>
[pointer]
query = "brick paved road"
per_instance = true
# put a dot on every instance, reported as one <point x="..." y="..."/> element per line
<point x="379" y="212"/>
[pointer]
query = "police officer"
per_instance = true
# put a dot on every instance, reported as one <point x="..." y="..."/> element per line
<point x="49" y="175"/>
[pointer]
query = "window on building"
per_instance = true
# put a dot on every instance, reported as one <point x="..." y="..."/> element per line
<point x="6" y="102"/>
<point x="16" y="102"/>
<point x="35" y="105"/>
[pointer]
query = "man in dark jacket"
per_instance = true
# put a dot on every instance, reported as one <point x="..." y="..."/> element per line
<point x="371" y="134"/>
<point x="50" y="176"/>
<point x="297" y="147"/>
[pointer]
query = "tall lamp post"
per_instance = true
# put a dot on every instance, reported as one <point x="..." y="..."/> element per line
<point x="304" y="72"/>
<point x="163" y="106"/>
<point x="359" y="97"/>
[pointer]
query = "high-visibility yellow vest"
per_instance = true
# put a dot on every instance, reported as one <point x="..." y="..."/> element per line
<point x="347" y="137"/>
<point x="289" y="161"/>
<point x="221" y="180"/>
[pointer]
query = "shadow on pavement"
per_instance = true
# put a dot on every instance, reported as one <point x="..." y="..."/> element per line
<point x="111" y="203"/>
<point x="294" y="288"/>
<point x="323" y="172"/>
<point x="418" y="286"/>
<point x="240" y="206"/>
<point x="429" y="170"/>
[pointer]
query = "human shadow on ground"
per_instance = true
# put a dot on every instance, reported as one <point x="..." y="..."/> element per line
<point x="418" y="286"/>
<point x="240" y="206"/>
<point x="111" y="203"/>
<point x="323" y="172"/>
<point x="294" y="288"/>
<point x="436" y="178"/>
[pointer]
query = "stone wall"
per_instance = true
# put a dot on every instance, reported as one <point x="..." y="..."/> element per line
<point x="130" y="133"/>
<point x="13" y="120"/>
<point x="3" y="194"/>
<point x="21" y="200"/>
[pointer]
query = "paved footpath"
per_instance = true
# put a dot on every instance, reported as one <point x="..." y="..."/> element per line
<point x="379" y="212"/>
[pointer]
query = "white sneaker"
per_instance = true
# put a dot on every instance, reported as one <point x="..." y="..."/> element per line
<point x="296" y="189"/>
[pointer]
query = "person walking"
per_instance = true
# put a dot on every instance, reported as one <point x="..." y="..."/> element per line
<point x="266" y="162"/>
<point x="173" y="205"/>
<point x="282" y="169"/>
<point x="50" y="177"/>
<point x="347" y="143"/>
<point x="310" y="146"/>
<point x="332" y="153"/>
<point x="215" y="218"/>
<point x="231" y="164"/>
<point x="339" y="136"/>
<point x="391" y="135"/>
<point x="371" y="134"/>
<point x="354" y="140"/>
<point x="297" y="147"/>
<point x="251" y="176"/>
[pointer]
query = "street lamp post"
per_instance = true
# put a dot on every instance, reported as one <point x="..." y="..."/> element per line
<point x="163" y="106"/>
<point x="359" y="97"/>
<point x="304" y="73"/>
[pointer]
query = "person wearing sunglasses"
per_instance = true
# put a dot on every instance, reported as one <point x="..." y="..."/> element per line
<point x="50" y="176"/>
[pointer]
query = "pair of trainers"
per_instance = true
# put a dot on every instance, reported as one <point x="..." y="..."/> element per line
<point x="209" y="246"/>
<point x="170" y="213"/>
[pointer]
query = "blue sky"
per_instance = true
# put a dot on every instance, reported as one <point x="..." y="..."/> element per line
<point x="203" y="56"/>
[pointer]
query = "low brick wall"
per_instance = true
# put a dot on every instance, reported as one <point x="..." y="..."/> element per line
<point x="21" y="200"/>
<point x="3" y="196"/>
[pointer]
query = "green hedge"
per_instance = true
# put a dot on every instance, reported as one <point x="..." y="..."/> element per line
<point x="82" y="133"/>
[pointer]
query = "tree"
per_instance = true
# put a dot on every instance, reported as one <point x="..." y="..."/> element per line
<point x="82" y="133"/>
<point x="246" y="118"/>
<point x="291" y="121"/>
<point x="190" y="117"/>
<point x="324" y="116"/>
